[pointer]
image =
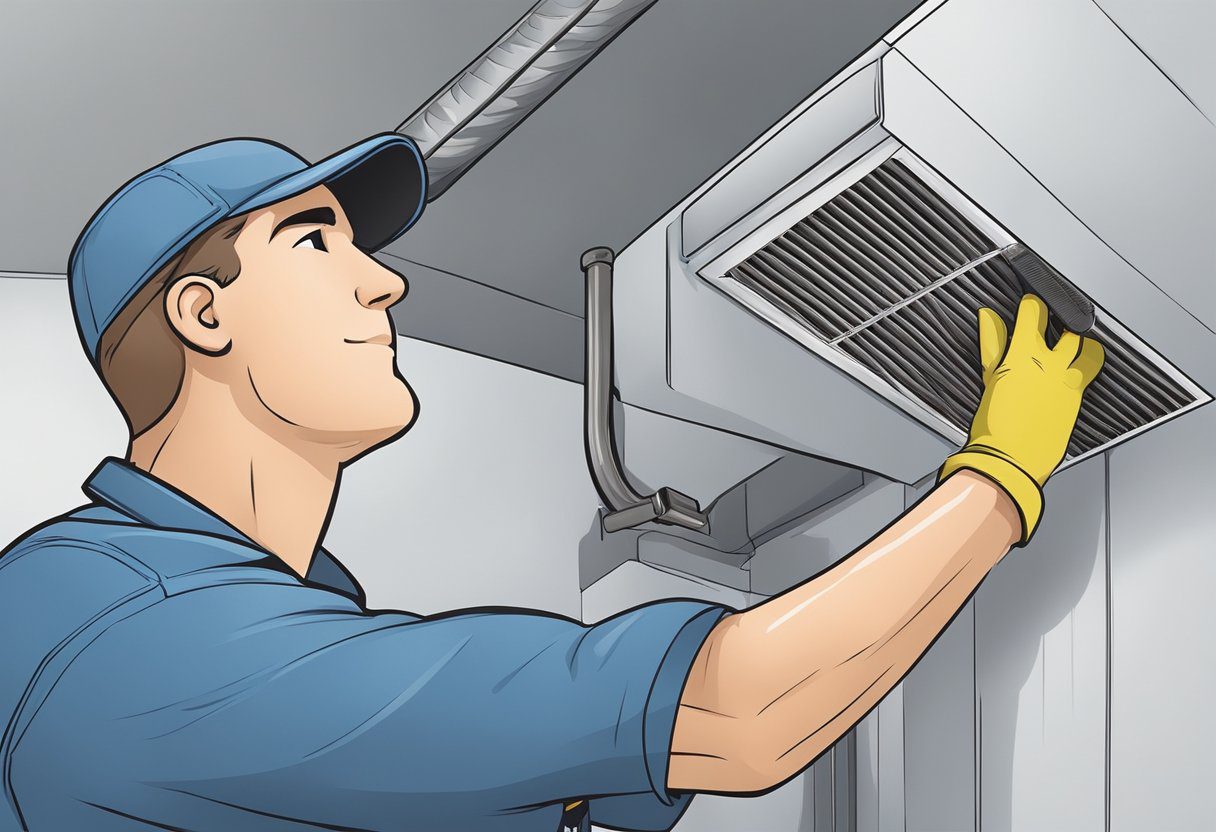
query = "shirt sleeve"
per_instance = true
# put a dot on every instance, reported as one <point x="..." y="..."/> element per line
<point x="294" y="704"/>
<point x="657" y="808"/>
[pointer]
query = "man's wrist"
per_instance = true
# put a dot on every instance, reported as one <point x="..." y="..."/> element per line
<point x="1019" y="494"/>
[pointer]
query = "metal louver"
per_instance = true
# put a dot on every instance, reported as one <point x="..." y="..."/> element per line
<point x="889" y="274"/>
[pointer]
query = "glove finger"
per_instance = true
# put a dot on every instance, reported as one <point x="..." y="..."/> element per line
<point x="1030" y="330"/>
<point x="1089" y="361"/>
<point x="1067" y="349"/>
<point x="993" y="339"/>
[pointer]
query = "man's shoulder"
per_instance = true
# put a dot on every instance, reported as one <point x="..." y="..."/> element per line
<point x="67" y="571"/>
<point x="74" y="577"/>
<point x="87" y="534"/>
<point x="65" y="552"/>
<point x="56" y="581"/>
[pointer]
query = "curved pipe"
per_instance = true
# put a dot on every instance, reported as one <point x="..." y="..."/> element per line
<point x="605" y="465"/>
<point x="627" y="507"/>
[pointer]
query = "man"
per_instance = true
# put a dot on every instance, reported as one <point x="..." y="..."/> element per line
<point x="182" y="654"/>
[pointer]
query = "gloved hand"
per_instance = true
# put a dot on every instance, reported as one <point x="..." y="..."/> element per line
<point x="1032" y="394"/>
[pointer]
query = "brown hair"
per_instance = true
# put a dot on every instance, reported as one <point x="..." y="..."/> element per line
<point x="141" y="359"/>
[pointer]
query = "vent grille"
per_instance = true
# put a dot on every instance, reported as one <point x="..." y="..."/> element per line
<point x="886" y="273"/>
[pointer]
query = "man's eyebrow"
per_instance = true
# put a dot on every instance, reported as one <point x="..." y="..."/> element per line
<point x="313" y="216"/>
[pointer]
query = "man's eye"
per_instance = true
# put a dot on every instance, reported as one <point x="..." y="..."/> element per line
<point x="312" y="240"/>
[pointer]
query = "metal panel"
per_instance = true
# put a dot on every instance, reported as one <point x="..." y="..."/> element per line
<point x="1177" y="38"/>
<point x="1162" y="573"/>
<point x="1040" y="648"/>
<point x="669" y="552"/>
<point x="939" y="732"/>
<point x="693" y="459"/>
<point x="865" y="772"/>
<point x="1069" y="96"/>
<point x="790" y="489"/>
<point x="839" y="116"/>
<point x="791" y="808"/>
<point x="825" y="536"/>
<point x="892" y="814"/>
<point x="634" y="583"/>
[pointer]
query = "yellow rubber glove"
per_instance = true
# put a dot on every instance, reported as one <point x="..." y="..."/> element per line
<point x="1032" y="394"/>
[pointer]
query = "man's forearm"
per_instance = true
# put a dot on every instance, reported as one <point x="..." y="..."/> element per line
<point x="775" y="686"/>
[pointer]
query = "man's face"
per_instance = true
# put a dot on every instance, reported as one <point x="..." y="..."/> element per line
<point x="309" y="327"/>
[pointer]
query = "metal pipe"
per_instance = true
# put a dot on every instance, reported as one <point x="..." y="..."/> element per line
<point x="597" y="386"/>
<point x="627" y="507"/>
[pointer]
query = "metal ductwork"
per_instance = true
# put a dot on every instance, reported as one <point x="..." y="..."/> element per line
<point x="492" y="95"/>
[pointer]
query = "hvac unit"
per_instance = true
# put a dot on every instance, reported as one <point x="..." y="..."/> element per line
<point x="820" y="292"/>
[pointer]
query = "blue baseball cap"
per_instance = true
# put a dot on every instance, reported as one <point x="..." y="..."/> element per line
<point x="380" y="182"/>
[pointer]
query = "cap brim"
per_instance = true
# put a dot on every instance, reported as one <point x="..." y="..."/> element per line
<point x="380" y="182"/>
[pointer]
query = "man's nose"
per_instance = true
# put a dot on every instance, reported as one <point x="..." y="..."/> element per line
<point x="381" y="287"/>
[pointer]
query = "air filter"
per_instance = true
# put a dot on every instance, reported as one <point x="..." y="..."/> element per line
<point x="890" y="275"/>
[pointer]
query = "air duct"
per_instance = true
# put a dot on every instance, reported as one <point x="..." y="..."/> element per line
<point x="492" y="95"/>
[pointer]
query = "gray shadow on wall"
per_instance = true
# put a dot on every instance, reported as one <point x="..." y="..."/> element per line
<point x="599" y="553"/>
<point x="1030" y="592"/>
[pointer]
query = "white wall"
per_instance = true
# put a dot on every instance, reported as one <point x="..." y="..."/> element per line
<point x="1163" y="627"/>
<point x="56" y="419"/>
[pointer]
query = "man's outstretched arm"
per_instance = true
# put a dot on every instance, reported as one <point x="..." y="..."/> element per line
<point x="775" y="686"/>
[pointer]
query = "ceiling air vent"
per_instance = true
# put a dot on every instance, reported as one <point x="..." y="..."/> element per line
<point x="889" y="274"/>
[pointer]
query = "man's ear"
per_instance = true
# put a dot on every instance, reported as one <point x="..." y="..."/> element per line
<point x="190" y="308"/>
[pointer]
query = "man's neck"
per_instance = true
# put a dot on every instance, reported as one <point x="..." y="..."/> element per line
<point x="208" y="449"/>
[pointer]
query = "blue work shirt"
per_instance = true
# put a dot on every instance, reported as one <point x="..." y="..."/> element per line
<point x="159" y="670"/>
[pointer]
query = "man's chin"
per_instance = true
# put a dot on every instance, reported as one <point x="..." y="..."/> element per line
<point x="353" y="444"/>
<point x="380" y="432"/>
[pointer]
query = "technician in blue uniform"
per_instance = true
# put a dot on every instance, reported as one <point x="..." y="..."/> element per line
<point x="181" y="653"/>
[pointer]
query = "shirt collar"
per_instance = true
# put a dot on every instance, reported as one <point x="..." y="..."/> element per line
<point x="138" y="494"/>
